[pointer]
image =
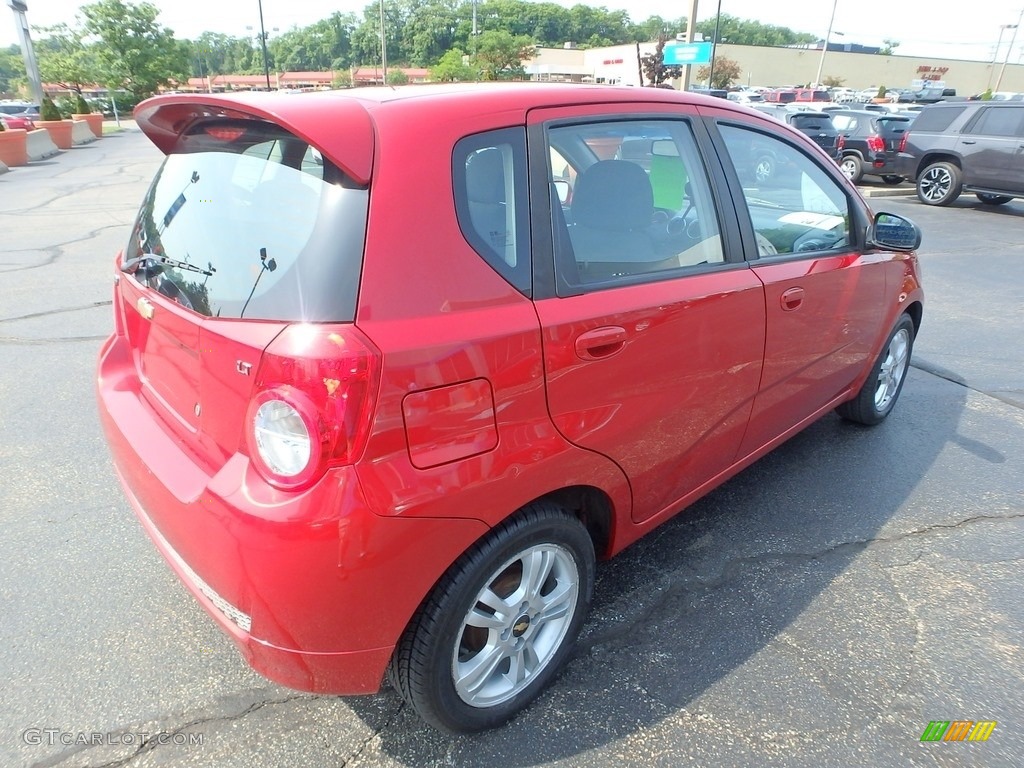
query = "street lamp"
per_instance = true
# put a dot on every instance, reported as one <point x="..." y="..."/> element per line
<point x="383" y="48"/>
<point x="714" y="45"/>
<point x="824" y="48"/>
<point x="263" y="42"/>
<point x="999" y="42"/>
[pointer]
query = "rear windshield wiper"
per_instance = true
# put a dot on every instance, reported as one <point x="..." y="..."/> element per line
<point x="138" y="262"/>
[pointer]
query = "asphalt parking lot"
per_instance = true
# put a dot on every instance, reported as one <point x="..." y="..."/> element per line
<point x="818" y="610"/>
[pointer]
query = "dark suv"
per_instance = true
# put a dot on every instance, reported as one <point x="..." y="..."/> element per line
<point x="971" y="146"/>
<point x="871" y="143"/>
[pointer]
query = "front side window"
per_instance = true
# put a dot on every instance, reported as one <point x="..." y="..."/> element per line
<point x="635" y="201"/>
<point x="799" y="207"/>
<point x="244" y="220"/>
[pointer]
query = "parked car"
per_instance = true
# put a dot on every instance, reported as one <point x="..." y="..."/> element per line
<point x="972" y="146"/>
<point x="19" y="109"/>
<point x="382" y="409"/>
<point x="821" y="130"/>
<point x="871" y="143"/>
<point x="17" y="121"/>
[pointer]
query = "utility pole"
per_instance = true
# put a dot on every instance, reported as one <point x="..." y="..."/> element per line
<point x="995" y="56"/>
<point x="263" y="42"/>
<point x="714" y="45"/>
<point x="384" y="47"/>
<point x="28" y="55"/>
<point x="824" y="48"/>
<point x="691" y="28"/>
<point x="1013" y="39"/>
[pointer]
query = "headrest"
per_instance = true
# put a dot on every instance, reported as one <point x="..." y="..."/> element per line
<point x="613" y="195"/>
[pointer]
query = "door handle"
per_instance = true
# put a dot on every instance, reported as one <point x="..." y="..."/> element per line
<point x="601" y="342"/>
<point x="791" y="299"/>
<point x="969" y="141"/>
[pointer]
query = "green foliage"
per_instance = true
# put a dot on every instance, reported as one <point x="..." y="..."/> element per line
<point x="397" y="77"/>
<point x="987" y="95"/>
<point x="500" y="55"/>
<point x="66" y="60"/>
<point x="888" y="47"/>
<point x="726" y="71"/>
<point x="451" y="69"/>
<point x="881" y="92"/>
<point x="81" y="106"/>
<point x="134" y="52"/>
<point x="342" y="79"/>
<point x="12" y="69"/>
<point x="48" y="110"/>
<point x="832" y="81"/>
<point x="749" y="32"/>
<point x="653" y="67"/>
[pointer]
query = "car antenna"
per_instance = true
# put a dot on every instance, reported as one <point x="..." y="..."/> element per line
<point x="266" y="265"/>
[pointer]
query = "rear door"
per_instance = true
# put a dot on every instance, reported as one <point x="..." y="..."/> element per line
<point x="992" y="146"/>
<point x="652" y="324"/>
<point x="822" y="295"/>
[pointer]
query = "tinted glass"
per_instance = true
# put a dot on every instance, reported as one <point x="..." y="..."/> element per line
<point x="251" y="222"/>
<point x="999" y="121"/>
<point x="936" y="119"/>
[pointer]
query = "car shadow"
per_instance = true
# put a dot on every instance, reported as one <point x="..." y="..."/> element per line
<point x="699" y="599"/>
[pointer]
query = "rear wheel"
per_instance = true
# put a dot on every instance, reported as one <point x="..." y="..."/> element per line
<point x="878" y="396"/>
<point x="500" y="624"/>
<point x="939" y="184"/>
<point x="892" y="180"/>
<point x="990" y="199"/>
<point x="852" y="168"/>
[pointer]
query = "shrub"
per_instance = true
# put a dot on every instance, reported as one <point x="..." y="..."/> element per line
<point x="48" y="110"/>
<point x="81" y="106"/>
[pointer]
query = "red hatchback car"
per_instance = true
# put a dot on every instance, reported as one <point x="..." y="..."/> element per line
<point x="392" y="368"/>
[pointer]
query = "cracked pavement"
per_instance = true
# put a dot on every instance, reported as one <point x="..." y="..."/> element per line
<point x="817" y="610"/>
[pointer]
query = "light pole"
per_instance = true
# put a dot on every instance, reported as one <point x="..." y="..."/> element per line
<point x="995" y="55"/>
<point x="263" y="42"/>
<point x="1013" y="39"/>
<point x="714" y="46"/>
<point x="824" y="48"/>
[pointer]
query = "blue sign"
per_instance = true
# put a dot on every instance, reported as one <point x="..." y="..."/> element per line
<point x="686" y="53"/>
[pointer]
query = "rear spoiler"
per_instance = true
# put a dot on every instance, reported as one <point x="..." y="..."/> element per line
<point x="338" y="125"/>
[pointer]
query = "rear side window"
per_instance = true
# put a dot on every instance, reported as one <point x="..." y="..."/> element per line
<point x="245" y="220"/>
<point x="491" y="201"/>
<point x="936" y="120"/>
<point x="999" y="121"/>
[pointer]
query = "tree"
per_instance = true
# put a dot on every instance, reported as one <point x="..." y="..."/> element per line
<point x="451" y="69"/>
<point x="397" y="77"/>
<point x="654" y="68"/>
<point x="726" y="70"/>
<point x="12" y="69"/>
<point x="500" y="55"/>
<point x="64" y="59"/>
<point x="888" y="47"/>
<point x="832" y="81"/>
<point x="134" y="51"/>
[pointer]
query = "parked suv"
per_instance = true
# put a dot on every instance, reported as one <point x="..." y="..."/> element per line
<point x="871" y="143"/>
<point x="382" y="409"/>
<point x="971" y="146"/>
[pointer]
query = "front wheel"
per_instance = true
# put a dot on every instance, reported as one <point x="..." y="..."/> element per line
<point x="878" y="396"/>
<point x="500" y="624"/>
<point x="939" y="184"/>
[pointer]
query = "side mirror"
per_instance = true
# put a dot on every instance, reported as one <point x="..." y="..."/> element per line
<point x="563" y="189"/>
<point x="892" y="232"/>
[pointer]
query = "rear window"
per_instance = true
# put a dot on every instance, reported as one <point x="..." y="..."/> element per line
<point x="812" y="122"/>
<point x="891" y="126"/>
<point x="936" y="119"/>
<point x="245" y="220"/>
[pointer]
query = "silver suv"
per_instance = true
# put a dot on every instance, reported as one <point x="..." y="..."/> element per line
<point x="966" y="146"/>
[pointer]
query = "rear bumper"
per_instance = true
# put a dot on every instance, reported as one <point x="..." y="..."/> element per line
<point x="314" y="587"/>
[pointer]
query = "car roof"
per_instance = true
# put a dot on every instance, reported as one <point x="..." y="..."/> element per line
<point x="341" y="123"/>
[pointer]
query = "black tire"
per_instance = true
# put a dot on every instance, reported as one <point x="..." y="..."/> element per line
<point x="990" y="199"/>
<point x="881" y="390"/>
<point x="892" y="180"/>
<point x="764" y="167"/>
<point x="852" y="168"/>
<point x="939" y="184"/>
<point x="439" y="638"/>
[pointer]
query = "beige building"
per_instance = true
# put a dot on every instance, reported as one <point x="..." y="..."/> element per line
<point x="782" y="66"/>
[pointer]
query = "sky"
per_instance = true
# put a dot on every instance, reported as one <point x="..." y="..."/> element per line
<point x="922" y="27"/>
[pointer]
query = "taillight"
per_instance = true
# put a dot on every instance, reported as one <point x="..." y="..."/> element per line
<point x="315" y="392"/>
<point x="876" y="144"/>
<point x="903" y="142"/>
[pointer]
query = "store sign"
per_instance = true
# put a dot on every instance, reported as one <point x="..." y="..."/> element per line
<point x="686" y="53"/>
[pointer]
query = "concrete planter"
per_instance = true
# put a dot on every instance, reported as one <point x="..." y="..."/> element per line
<point x="95" y="121"/>
<point x="12" y="147"/>
<point x="59" y="130"/>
